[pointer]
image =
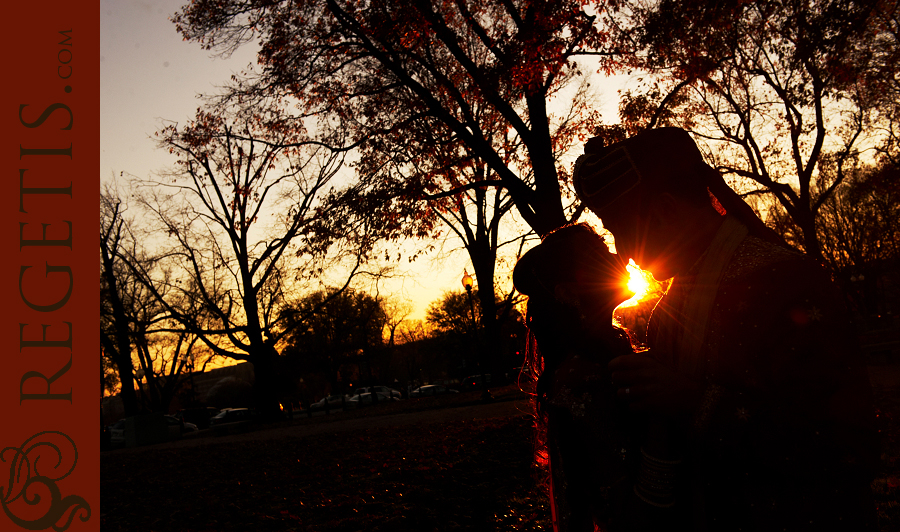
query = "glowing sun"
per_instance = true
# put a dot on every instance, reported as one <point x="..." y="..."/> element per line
<point x="639" y="283"/>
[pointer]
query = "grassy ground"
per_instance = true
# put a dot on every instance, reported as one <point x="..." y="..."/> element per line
<point x="461" y="475"/>
<point x="886" y="488"/>
<point x="464" y="475"/>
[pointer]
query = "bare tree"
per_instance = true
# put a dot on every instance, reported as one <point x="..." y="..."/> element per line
<point x="117" y="291"/>
<point x="136" y="327"/>
<point x="244" y="222"/>
<point x="396" y="311"/>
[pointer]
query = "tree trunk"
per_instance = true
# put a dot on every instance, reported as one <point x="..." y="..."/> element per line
<point x="811" y="240"/>
<point x="126" y="379"/>
<point x="265" y="383"/>
<point x="547" y="199"/>
<point x="121" y="349"/>
<point x="483" y="263"/>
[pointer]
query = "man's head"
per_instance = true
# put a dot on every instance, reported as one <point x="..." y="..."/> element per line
<point x="651" y="192"/>
<point x="652" y="162"/>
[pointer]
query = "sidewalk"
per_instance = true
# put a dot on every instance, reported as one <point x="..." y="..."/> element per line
<point x="336" y="423"/>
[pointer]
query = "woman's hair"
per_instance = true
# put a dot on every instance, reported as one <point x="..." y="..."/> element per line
<point x="574" y="253"/>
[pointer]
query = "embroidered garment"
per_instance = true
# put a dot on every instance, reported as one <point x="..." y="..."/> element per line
<point x="784" y="437"/>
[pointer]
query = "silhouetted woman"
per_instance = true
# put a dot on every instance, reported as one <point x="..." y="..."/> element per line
<point x="573" y="284"/>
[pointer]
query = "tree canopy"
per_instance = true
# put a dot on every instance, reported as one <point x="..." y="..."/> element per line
<point x="454" y="313"/>
<point x="401" y="76"/>
<point x="449" y="106"/>
<point x="780" y="89"/>
<point x="457" y="117"/>
<point x="335" y="327"/>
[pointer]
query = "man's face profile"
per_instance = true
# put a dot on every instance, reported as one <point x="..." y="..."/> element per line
<point x="644" y="239"/>
<point x="622" y="222"/>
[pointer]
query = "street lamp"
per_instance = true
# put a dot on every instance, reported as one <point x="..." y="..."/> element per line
<point x="467" y="283"/>
<point x="190" y="367"/>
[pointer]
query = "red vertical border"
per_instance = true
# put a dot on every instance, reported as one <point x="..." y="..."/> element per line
<point x="49" y="272"/>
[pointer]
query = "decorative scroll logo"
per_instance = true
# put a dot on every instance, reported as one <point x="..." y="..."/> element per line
<point x="32" y="473"/>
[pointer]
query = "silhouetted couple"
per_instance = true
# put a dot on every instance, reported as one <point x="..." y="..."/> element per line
<point x="751" y="408"/>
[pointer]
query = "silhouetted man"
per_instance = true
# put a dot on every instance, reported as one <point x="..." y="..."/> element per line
<point x="758" y="404"/>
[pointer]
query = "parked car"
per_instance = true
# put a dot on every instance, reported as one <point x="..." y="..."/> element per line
<point x="198" y="416"/>
<point x="368" y="398"/>
<point x="449" y="383"/>
<point x="335" y="402"/>
<point x="383" y="390"/>
<point x="176" y="427"/>
<point x="430" y="389"/>
<point x="117" y="434"/>
<point x="183" y="425"/>
<point x="232" y="415"/>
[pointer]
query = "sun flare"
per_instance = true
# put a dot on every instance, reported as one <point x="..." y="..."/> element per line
<point x="637" y="280"/>
<point x="640" y="283"/>
<point x="633" y="314"/>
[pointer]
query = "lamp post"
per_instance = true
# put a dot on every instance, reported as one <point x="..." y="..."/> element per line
<point x="467" y="283"/>
<point x="139" y="375"/>
<point x="190" y="368"/>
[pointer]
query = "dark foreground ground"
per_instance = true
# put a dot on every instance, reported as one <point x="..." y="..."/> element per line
<point x="437" y="464"/>
<point x="886" y="488"/>
<point x="432" y="471"/>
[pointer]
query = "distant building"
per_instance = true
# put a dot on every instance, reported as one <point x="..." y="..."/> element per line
<point x="112" y="409"/>
<point x="203" y="381"/>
